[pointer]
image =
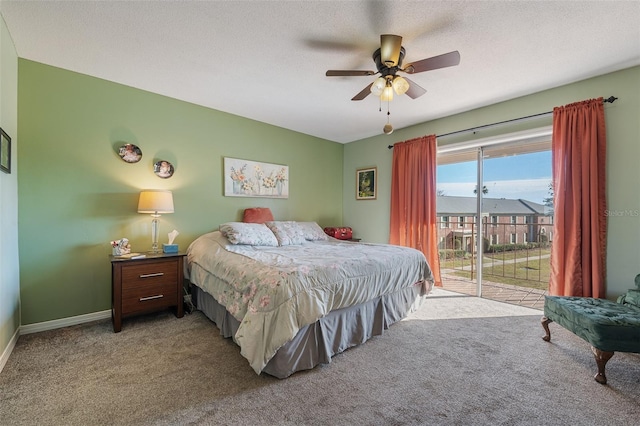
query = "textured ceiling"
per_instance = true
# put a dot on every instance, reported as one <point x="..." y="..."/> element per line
<point x="266" y="60"/>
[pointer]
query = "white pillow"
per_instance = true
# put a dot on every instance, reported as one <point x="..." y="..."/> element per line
<point x="312" y="231"/>
<point x="255" y="234"/>
<point x="287" y="233"/>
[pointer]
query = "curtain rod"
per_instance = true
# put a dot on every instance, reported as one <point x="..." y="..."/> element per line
<point x="610" y="99"/>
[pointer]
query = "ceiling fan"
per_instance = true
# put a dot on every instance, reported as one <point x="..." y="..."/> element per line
<point x="388" y="59"/>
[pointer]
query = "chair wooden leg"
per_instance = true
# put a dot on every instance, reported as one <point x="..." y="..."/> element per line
<point x="545" y="324"/>
<point x="601" y="359"/>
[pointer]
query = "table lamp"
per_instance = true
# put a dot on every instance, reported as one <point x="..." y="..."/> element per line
<point x="155" y="202"/>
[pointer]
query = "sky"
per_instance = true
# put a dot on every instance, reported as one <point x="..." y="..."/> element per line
<point x="525" y="176"/>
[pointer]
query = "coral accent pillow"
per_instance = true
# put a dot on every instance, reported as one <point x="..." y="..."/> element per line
<point x="257" y="215"/>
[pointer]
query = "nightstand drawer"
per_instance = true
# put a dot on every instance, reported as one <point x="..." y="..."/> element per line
<point x="148" y="274"/>
<point x="146" y="297"/>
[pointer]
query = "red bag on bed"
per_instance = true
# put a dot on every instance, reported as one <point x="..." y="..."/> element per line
<point x="342" y="233"/>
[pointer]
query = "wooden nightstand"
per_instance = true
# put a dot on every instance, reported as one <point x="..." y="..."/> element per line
<point x="145" y="285"/>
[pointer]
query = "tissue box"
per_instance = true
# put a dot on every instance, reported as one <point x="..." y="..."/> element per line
<point x="169" y="248"/>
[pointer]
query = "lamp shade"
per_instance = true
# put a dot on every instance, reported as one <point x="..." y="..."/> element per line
<point x="387" y="94"/>
<point x="400" y="85"/>
<point x="378" y="86"/>
<point x="155" y="202"/>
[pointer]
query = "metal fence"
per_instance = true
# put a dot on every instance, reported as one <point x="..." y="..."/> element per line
<point x="515" y="254"/>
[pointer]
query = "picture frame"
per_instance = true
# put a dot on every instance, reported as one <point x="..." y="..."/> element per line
<point x="5" y="152"/>
<point x="367" y="183"/>
<point x="245" y="178"/>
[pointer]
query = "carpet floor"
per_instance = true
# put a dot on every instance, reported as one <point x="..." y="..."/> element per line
<point x="458" y="360"/>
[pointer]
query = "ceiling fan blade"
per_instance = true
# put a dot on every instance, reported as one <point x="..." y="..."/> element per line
<point x="442" y="61"/>
<point x="363" y="94"/>
<point x="415" y="91"/>
<point x="348" y="73"/>
<point x="390" y="49"/>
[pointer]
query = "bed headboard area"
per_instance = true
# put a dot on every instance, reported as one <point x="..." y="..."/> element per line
<point x="257" y="215"/>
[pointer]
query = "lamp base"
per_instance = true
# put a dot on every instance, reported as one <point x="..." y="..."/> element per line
<point x="155" y="230"/>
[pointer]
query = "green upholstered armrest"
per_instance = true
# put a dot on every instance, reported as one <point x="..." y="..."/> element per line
<point x="632" y="296"/>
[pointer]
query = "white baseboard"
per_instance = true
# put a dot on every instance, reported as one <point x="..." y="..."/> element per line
<point x="7" y="351"/>
<point x="64" y="322"/>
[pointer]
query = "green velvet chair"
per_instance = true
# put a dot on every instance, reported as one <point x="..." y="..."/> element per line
<point x="608" y="326"/>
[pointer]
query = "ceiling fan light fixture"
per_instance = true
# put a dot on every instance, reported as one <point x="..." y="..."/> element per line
<point x="378" y="86"/>
<point x="400" y="85"/>
<point x="387" y="94"/>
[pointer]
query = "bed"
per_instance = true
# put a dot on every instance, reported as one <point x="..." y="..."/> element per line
<point x="291" y="297"/>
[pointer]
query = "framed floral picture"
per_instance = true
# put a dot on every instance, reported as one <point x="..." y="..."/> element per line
<point x="366" y="183"/>
<point x="244" y="178"/>
<point x="5" y="152"/>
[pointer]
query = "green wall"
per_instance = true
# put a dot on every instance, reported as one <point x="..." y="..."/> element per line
<point x="370" y="219"/>
<point x="76" y="194"/>
<point x="9" y="267"/>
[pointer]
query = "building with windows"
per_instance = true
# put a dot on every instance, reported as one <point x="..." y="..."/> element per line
<point x="505" y="221"/>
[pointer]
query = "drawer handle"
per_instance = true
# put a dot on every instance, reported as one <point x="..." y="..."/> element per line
<point x="157" y="274"/>
<point x="159" y="296"/>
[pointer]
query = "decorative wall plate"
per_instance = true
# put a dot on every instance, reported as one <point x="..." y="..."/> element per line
<point x="130" y="153"/>
<point x="163" y="169"/>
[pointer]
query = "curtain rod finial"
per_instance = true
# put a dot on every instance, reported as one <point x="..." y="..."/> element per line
<point x="611" y="99"/>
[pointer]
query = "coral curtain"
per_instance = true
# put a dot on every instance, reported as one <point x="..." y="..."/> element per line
<point x="580" y="224"/>
<point x="413" y="199"/>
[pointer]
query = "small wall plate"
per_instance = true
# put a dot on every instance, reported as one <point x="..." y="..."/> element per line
<point x="163" y="169"/>
<point x="130" y="153"/>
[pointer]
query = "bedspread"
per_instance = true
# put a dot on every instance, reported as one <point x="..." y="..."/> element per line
<point x="274" y="291"/>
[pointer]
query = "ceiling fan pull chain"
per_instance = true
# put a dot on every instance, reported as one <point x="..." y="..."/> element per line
<point x="388" y="128"/>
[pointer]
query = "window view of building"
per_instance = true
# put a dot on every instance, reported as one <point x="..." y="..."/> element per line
<point x="444" y="221"/>
<point x="507" y="219"/>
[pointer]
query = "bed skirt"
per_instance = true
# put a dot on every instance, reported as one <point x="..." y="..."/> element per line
<point x="334" y="333"/>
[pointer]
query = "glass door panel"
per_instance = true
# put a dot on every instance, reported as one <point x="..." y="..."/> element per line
<point x="517" y="218"/>
<point x="457" y="222"/>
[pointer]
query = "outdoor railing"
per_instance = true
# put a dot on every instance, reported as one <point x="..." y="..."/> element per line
<point x="515" y="254"/>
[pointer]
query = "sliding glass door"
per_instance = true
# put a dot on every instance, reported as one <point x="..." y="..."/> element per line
<point x="495" y="212"/>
